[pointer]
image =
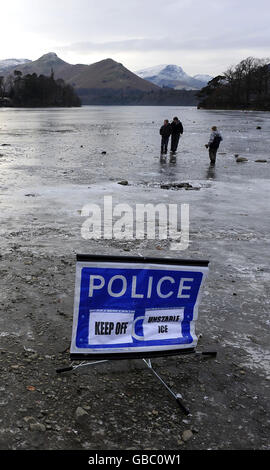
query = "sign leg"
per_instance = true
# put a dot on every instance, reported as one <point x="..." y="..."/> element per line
<point x="176" y="396"/>
<point x="82" y="364"/>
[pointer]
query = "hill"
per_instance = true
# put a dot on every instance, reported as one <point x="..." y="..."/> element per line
<point x="46" y="63"/>
<point x="104" y="74"/>
<point x="8" y="64"/>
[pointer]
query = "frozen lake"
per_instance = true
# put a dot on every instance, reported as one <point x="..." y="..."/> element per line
<point x="52" y="165"/>
<point x="45" y="144"/>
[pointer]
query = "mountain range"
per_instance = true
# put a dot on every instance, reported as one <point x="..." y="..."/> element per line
<point x="109" y="82"/>
<point x="173" y="76"/>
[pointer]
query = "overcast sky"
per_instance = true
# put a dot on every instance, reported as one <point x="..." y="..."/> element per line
<point x="202" y="36"/>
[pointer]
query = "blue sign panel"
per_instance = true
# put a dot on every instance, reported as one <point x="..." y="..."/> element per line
<point x="121" y="307"/>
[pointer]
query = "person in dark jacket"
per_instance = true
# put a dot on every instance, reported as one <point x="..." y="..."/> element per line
<point x="165" y="132"/>
<point x="177" y="130"/>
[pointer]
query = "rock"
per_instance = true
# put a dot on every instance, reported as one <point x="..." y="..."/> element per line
<point x="37" y="427"/>
<point x="80" y="413"/>
<point x="33" y="357"/>
<point x="261" y="161"/>
<point x="124" y="182"/>
<point x="186" y="186"/>
<point x="29" y="419"/>
<point x="103" y="153"/>
<point x="241" y="159"/>
<point x="192" y="189"/>
<point x="258" y="127"/>
<point x="187" y="435"/>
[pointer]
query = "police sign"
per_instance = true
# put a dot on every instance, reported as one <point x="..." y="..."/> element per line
<point x="132" y="305"/>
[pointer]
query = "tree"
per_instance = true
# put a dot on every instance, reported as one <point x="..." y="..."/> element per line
<point x="38" y="91"/>
<point x="243" y="86"/>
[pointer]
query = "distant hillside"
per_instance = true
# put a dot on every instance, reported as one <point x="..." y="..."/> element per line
<point x="203" y="78"/>
<point x="173" y="76"/>
<point x="104" y="74"/>
<point x="111" y="75"/>
<point x="48" y="62"/>
<point x="105" y="82"/>
<point x="159" y="97"/>
<point x="8" y="64"/>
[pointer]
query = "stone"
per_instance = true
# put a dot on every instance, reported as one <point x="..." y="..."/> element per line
<point x="241" y="159"/>
<point x="80" y="413"/>
<point x="37" y="427"/>
<point x="29" y="419"/>
<point x="186" y="186"/>
<point x="187" y="435"/>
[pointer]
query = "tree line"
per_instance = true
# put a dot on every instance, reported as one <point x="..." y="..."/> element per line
<point x="31" y="90"/>
<point x="129" y="97"/>
<point x="244" y="86"/>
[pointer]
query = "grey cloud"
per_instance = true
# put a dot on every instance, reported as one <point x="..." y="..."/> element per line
<point x="224" y="41"/>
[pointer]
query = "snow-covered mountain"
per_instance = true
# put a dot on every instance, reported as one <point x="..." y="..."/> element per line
<point x="173" y="76"/>
<point x="7" y="64"/>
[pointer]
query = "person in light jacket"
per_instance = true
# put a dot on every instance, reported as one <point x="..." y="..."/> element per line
<point x="213" y="144"/>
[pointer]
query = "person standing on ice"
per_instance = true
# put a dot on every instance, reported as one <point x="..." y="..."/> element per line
<point x="165" y="132"/>
<point x="177" y="130"/>
<point x="213" y="144"/>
